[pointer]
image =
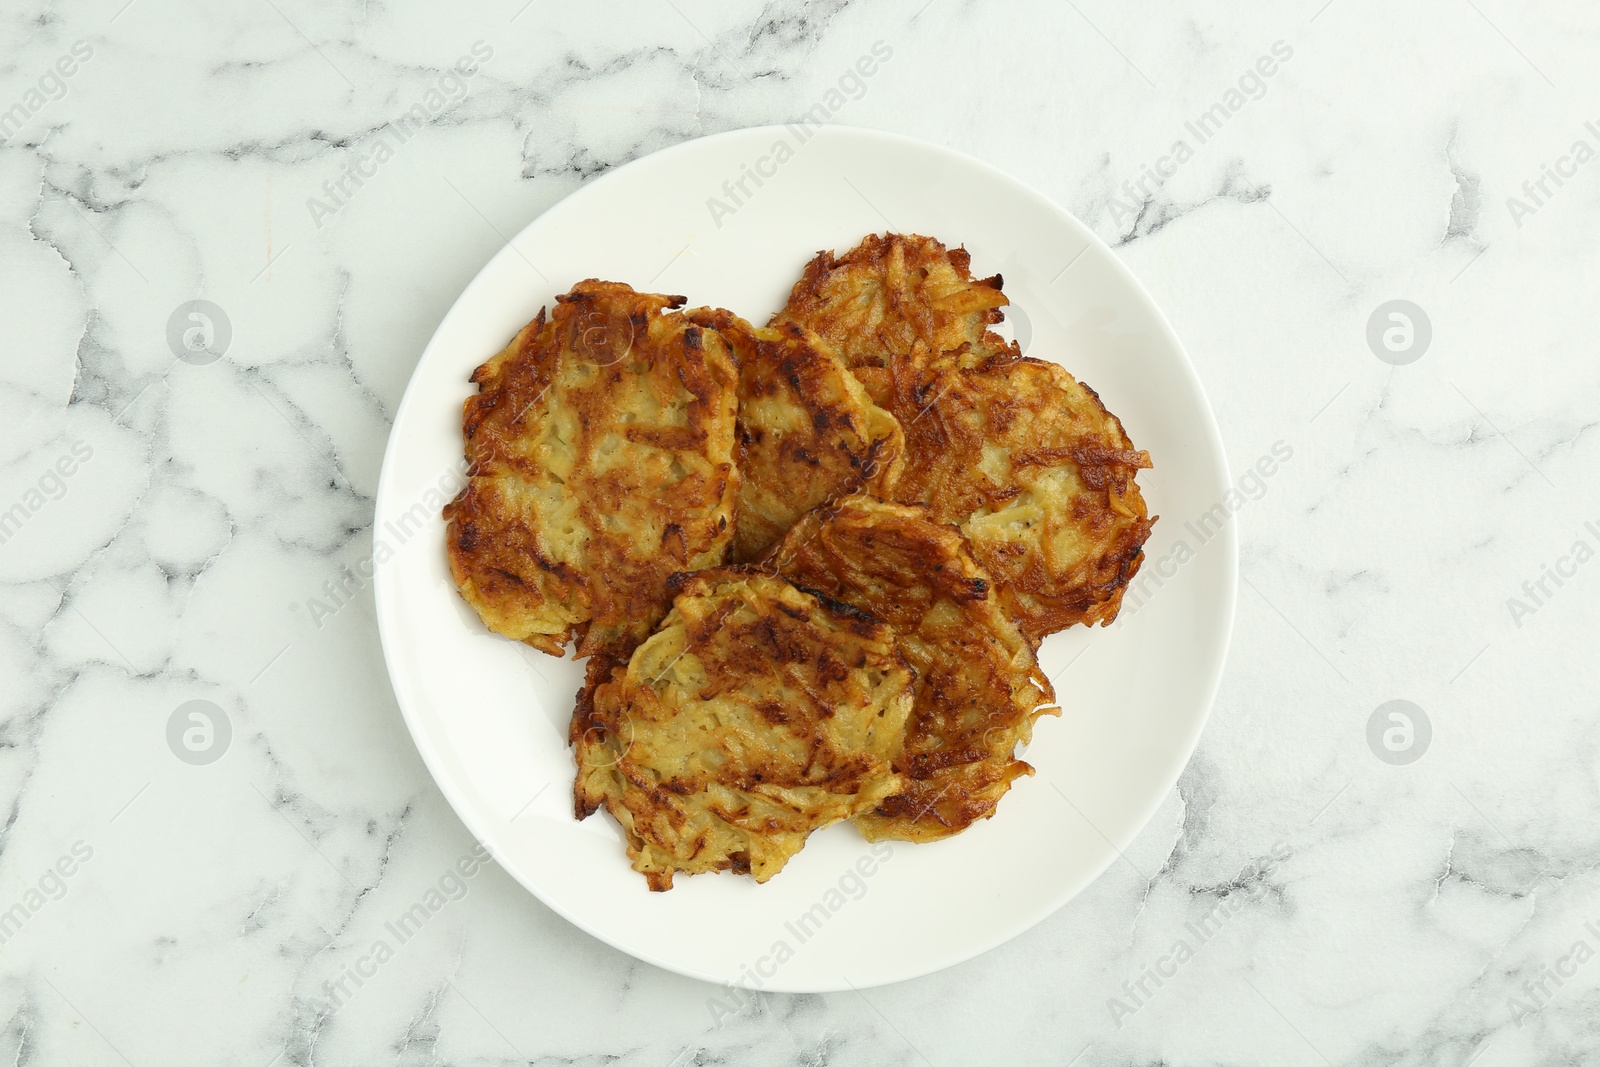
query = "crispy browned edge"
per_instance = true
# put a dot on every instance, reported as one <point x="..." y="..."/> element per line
<point x="901" y="353"/>
<point x="1036" y="600"/>
<point x="599" y="721"/>
<point x="885" y="548"/>
<point x="942" y="329"/>
<point x="514" y="380"/>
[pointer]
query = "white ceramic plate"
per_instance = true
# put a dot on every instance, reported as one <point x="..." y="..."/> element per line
<point x="490" y="716"/>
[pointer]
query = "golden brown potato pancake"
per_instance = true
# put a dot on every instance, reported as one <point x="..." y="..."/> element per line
<point x="808" y="432"/>
<point x="1037" y="474"/>
<point x="1015" y="451"/>
<point x="601" y="446"/>
<point x="756" y="714"/>
<point x="893" y="293"/>
<point x="978" y="688"/>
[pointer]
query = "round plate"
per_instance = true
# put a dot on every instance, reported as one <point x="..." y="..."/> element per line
<point x="731" y="220"/>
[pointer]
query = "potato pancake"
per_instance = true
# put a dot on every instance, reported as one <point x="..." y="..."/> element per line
<point x="891" y="294"/>
<point x="756" y="714"/>
<point x="978" y="688"/>
<point x="1015" y="451"/>
<point x="601" y="445"/>
<point x="808" y="432"/>
<point x="1038" y="475"/>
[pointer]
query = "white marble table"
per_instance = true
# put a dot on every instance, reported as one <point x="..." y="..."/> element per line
<point x="177" y="529"/>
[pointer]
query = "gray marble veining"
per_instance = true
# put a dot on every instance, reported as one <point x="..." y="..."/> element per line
<point x="207" y="883"/>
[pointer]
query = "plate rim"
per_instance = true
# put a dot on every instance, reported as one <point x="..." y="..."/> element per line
<point x="453" y="792"/>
